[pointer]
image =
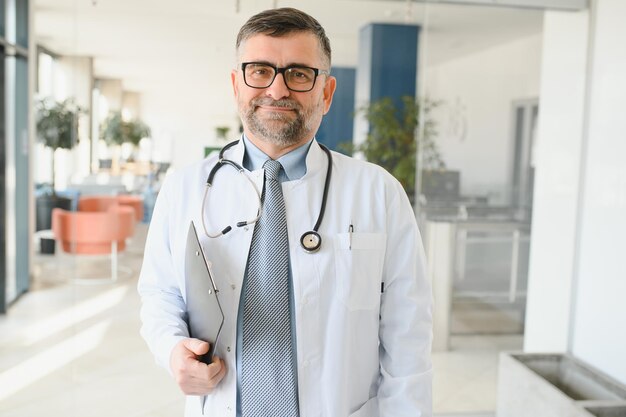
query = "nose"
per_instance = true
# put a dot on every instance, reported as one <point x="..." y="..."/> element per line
<point x="278" y="89"/>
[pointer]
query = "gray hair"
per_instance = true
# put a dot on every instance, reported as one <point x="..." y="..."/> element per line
<point x="281" y="22"/>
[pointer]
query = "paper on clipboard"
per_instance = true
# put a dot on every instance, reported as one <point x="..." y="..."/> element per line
<point x="205" y="315"/>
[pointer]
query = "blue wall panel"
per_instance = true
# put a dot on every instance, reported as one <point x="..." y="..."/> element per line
<point x="393" y="60"/>
<point x="387" y="67"/>
<point x="337" y="125"/>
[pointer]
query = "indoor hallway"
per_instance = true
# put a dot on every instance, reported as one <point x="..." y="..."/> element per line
<point x="74" y="350"/>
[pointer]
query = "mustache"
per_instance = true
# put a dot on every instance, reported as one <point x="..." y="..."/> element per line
<point x="284" y="103"/>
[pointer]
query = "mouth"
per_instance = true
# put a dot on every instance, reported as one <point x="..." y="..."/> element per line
<point x="276" y="109"/>
<point x="282" y="106"/>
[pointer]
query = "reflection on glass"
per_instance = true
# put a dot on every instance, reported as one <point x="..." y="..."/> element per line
<point x="2" y="18"/>
<point x="482" y="64"/>
<point x="21" y="21"/>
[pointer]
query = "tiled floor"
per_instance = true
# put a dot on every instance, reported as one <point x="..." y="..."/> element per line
<point x="74" y="350"/>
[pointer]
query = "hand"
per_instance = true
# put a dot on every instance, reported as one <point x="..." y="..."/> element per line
<point x="192" y="376"/>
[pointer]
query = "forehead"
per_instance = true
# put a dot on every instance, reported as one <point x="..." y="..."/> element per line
<point x="294" y="48"/>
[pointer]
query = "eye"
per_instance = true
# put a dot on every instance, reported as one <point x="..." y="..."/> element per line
<point x="301" y="75"/>
<point x="259" y="71"/>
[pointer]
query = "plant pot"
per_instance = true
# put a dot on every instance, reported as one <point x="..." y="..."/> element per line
<point x="44" y="206"/>
<point x="554" y="385"/>
<point x="607" y="411"/>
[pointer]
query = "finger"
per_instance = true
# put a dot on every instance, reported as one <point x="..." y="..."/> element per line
<point x="213" y="382"/>
<point x="215" y="367"/>
<point x="197" y="346"/>
<point x="204" y="377"/>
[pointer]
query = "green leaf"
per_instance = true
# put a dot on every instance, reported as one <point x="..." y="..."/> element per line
<point x="392" y="138"/>
<point x="57" y="123"/>
<point x="116" y="131"/>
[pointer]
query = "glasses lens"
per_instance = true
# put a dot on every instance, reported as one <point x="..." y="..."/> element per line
<point x="300" y="79"/>
<point x="259" y="75"/>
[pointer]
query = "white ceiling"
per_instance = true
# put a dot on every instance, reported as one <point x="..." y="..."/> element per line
<point x="153" y="44"/>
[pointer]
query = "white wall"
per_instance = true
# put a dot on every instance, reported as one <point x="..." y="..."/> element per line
<point x="577" y="277"/>
<point x="113" y="91"/>
<point x="74" y="79"/>
<point x="131" y="104"/>
<point x="558" y="150"/>
<point x="475" y="121"/>
<point x="599" y="335"/>
<point x="179" y="136"/>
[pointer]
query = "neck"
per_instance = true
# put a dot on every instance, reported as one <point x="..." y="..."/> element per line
<point x="273" y="150"/>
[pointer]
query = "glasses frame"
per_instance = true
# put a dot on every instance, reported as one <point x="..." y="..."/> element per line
<point x="282" y="70"/>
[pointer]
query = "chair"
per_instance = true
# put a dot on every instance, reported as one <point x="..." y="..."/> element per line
<point x="94" y="233"/>
<point x="132" y="201"/>
<point x="103" y="202"/>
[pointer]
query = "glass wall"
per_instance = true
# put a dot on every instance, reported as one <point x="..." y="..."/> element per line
<point x="480" y="66"/>
<point x="3" y="140"/>
<point x="22" y="176"/>
<point x="15" y="147"/>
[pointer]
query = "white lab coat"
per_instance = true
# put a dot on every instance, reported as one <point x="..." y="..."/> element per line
<point x="360" y="353"/>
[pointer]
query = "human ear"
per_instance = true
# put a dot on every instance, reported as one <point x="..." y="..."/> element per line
<point x="234" y="81"/>
<point x="329" y="90"/>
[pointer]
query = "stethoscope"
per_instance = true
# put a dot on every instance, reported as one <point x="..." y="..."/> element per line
<point x="311" y="241"/>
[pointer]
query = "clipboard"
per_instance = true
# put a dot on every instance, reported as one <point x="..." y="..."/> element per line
<point x="204" y="312"/>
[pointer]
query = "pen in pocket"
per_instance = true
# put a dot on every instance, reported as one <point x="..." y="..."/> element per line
<point x="350" y="231"/>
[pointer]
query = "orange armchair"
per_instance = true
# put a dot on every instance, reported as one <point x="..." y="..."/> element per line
<point x="92" y="233"/>
<point x="103" y="202"/>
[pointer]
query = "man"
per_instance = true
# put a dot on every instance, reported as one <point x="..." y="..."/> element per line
<point x="341" y="331"/>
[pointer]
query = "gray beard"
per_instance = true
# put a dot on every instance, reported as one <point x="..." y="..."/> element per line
<point x="282" y="129"/>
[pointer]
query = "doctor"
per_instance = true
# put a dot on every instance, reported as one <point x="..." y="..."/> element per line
<point x="341" y="331"/>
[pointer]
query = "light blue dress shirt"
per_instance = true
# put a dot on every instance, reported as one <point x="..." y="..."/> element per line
<point x="294" y="168"/>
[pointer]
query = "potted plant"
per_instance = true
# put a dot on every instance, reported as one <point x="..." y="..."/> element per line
<point x="116" y="131"/>
<point x="392" y="141"/>
<point x="222" y="132"/>
<point x="57" y="128"/>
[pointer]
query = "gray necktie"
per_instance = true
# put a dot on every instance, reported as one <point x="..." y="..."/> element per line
<point x="268" y="385"/>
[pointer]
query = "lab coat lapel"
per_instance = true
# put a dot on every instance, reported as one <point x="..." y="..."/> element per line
<point x="303" y="199"/>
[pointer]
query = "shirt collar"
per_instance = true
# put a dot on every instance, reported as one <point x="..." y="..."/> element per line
<point x="293" y="162"/>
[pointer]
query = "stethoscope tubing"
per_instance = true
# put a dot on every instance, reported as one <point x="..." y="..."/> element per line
<point x="311" y="241"/>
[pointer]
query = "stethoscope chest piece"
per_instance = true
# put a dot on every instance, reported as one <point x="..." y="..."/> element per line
<point x="311" y="241"/>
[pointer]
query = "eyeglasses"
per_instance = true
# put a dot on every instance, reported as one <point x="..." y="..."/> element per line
<point x="297" y="78"/>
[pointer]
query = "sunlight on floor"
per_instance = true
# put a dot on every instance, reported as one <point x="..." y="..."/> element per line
<point x="51" y="359"/>
<point x="72" y="315"/>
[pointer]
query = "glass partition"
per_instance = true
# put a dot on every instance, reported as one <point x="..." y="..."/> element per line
<point x="480" y="65"/>
<point x="2" y="18"/>
<point x="4" y="294"/>
<point x="15" y="116"/>
<point x="21" y="23"/>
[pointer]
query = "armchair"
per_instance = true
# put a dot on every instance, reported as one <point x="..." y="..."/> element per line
<point x="94" y="233"/>
<point x="103" y="202"/>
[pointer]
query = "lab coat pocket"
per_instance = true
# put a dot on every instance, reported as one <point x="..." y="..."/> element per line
<point x="359" y="263"/>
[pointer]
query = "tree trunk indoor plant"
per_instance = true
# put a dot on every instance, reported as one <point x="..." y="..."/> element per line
<point x="392" y="141"/>
<point x="116" y="131"/>
<point x="57" y="128"/>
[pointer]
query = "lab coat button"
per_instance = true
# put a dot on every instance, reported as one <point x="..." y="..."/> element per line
<point x="228" y="348"/>
<point x="233" y="286"/>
